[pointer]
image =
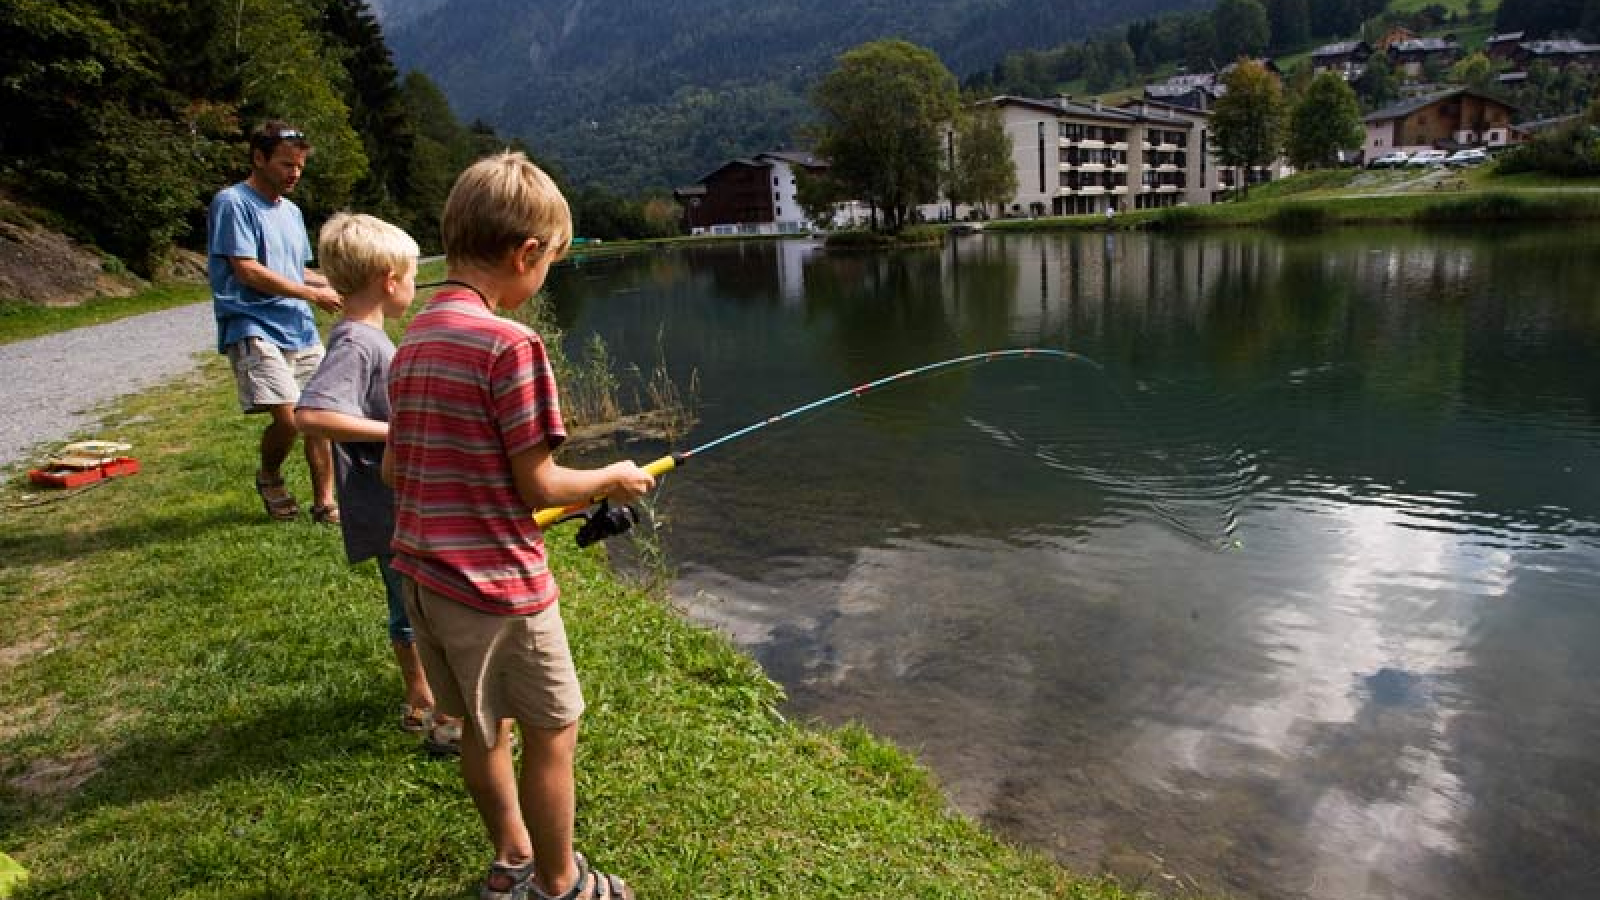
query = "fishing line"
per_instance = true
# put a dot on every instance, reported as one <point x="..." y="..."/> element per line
<point x="549" y="516"/>
<point x="605" y="521"/>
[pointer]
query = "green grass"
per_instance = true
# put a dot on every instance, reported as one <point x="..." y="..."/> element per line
<point x="20" y="321"/>
<point x="201" y="704"/>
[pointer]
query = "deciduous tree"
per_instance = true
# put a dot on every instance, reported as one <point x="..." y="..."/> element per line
<point x="982" y="171"/>
<point x="1325" y="123"/>
<point x="1247" y="124"/>
<point x="882" y="109"/>
<point x="1475" y="71"/>
<point x="285" y="71"/>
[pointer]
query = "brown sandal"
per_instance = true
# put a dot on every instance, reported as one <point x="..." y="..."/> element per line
<point x="280" y="504"/>
<point x="325" y="515"/>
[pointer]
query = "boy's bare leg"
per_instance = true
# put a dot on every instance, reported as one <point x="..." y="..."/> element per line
<point x="493" y="785"/>
<point x="319" y="458"/>
<point x="418" y="694"/>
<point x="278" y="440"/>
<point x="549" y="803"/>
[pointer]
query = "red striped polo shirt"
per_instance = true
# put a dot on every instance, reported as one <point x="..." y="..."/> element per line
<point x="468" y="390"/>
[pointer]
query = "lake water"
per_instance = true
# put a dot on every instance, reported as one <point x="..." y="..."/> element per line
<point x="1290" y="588"/>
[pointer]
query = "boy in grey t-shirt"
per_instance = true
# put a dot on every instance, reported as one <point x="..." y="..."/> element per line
<point x="374" y="265"/>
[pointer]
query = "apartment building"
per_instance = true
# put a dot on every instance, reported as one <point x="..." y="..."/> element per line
<point x="1074" y="158"/>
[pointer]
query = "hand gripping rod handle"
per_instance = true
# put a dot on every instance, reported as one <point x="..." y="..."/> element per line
<point x="548" y="516"/>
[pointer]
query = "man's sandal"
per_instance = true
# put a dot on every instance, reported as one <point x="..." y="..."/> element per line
<point x="280" y="504"/>
<point x="507" y="882"/>
<point x="325" y="515"/>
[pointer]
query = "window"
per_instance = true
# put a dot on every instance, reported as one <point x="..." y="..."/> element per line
<point x="774" y="181"/>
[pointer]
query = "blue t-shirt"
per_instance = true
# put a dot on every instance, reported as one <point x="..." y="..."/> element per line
<point x="242" y="223"/>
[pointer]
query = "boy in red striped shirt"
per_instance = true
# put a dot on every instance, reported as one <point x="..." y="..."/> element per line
<point x="475" y="419"/>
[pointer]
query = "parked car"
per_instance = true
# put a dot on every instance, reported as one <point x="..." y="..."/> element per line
<point x="1427" y="158"/>
<point x="1470" y="157"/>
<point x="1390" y="160"/>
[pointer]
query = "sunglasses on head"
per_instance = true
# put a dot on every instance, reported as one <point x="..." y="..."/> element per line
<point x="289" y="134"/>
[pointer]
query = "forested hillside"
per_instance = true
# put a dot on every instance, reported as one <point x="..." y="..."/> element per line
<point x="632" y="94"/>
<point x="121" y="120"/>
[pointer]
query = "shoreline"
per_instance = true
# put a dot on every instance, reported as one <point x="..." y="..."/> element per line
<point x="195" y="690"/>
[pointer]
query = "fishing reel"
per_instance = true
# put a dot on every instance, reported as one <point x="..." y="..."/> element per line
<point x="603" y="521"/>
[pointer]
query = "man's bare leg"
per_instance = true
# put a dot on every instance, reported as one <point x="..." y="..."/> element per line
<point x="277" y="440"/>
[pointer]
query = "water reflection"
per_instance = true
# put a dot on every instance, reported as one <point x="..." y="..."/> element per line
<point x="1288" y="593"/>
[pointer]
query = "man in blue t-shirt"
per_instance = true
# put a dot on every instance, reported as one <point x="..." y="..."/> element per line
<point x="262" y="294"/>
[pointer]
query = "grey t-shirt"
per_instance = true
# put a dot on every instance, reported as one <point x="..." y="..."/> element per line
<point x="354" y="380"/>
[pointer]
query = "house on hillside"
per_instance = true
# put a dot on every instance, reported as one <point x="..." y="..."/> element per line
<point x="1458" y="117"/>
<point x="1394" y="35"/>
<point x="1264" y="61"/>
<point x="1504" y="48"/>
<point x="1411" y="56"/>
<point x="1199" y="91"/>
<point x="754" y="195"/>
<point x="1562" y="54"/>
<point x="1348" y="59"/>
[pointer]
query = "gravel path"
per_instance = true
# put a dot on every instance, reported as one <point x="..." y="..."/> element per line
<point x="53" y="387"/>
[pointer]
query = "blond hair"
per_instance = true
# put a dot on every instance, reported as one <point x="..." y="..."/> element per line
<point x="496" y="204"/>
<point x="353" y="249"/>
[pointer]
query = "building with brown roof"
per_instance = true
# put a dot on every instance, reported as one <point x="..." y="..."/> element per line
<point x="1347" y="58"/>
<point x="1459" y="117"/>
<point x="1411" y="56"/>
<point x="753" y="195"/>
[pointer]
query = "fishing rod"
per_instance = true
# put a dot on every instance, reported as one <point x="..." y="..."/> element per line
<point x="601" y="520"/>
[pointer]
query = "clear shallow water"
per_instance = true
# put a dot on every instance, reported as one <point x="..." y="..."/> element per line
<point x="1292" y="591"/>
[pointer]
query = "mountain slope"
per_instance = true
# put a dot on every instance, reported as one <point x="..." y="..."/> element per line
<point x="629" y="94"/>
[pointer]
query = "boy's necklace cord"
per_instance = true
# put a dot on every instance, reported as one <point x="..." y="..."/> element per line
<point x="430" y="284"/>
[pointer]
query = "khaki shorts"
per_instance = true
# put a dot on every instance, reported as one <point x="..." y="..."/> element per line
<point x="268" y="375"/>
<point x="486" y="668"/>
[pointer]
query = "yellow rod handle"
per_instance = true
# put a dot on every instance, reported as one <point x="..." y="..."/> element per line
<point x="544" y="518"/>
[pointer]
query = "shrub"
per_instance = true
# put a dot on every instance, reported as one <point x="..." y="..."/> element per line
<point x="1572" y="150"/>
<point x="1299" y="217"/>
<point x="1178" y="217"/>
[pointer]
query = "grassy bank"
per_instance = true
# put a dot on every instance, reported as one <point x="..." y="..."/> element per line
<point x="1351" y="197"/>
<point x="201" y="704"/>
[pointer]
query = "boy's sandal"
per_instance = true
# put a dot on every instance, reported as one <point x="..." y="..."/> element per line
<point x="325" y="515"/>
<point x="507" y="882"/>
<point x="443" y="737"/>
<point x="591" y="885"/>
<point x="280" y="504"/>
<point x="415" y="719"/>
